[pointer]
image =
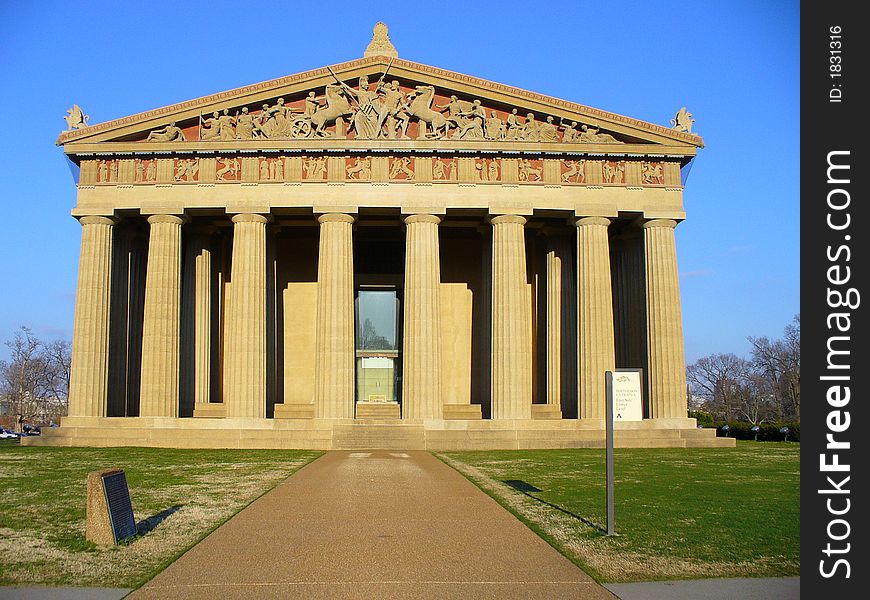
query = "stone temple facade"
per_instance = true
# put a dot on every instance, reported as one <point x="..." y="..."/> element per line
<point x="378" y="253"/>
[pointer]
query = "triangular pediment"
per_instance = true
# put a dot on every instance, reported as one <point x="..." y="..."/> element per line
<point x="405" y="105"/>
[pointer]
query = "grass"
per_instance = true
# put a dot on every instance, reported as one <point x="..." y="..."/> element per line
<point x="679" y="513"/>
<point x="178" y="497"/>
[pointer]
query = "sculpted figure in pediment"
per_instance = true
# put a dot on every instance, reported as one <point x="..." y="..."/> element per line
<point x="531" y="131"/>
<point x="420" y="106"/>
<point x="570" y="135"/>
<point x="394" y="110"/>
<point x="513" y="128"/>
<point x="170" y="133"/>
<point x="367" y="112"/>
<point x="591" y="135"/>
<point x="337" y="106"/>
<point x="475" y="118"/>
<point x="246" y="125"/>
<point x="495" y="128"/>
<point x="454" y="111"/>
<point x="210" y="128"/>
<point x="547" y="132"/>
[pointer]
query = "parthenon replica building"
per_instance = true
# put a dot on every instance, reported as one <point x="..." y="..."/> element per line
<point x="376" y="254"/>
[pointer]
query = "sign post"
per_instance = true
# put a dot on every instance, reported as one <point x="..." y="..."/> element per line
<point x="624" y="403"/>
<point x="609" y="452"/>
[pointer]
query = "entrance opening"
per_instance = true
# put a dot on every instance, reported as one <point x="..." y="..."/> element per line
<point x="378" y="359"/>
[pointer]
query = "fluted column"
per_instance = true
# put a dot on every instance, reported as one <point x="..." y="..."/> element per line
<point x="245" y="354"/>
<point x="511" y="321"/>
<point x="161" y="327"/>
<point x="334" y="360"/>
<point x="558" y="253"/>
<point x="421" y="398"/>
<point x="199" y="261"/>
<point x="88" y="391"/>
<point x="667" y="375"/>
<point x="594" y="315"/>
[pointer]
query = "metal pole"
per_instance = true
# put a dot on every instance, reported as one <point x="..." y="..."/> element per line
<point x="609" y="452"/>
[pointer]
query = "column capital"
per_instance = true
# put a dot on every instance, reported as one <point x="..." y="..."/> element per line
<point x="251" y="218"/>
<point x="669" y="223"/>
<point x="173" y="219"/>
<point x="98" y="220"/>
<point x="586" y="221"/>
<point x="336" y="218"/>
<point x="422" y="218"/>
<point x="501" y="219"/>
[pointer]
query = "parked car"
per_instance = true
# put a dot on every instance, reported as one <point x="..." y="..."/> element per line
<point x="5" y="434"/>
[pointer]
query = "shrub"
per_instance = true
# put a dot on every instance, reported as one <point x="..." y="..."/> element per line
<point x="768" y="432"/>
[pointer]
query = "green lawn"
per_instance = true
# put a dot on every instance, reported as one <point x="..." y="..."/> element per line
<point x="680" y="513"/>
<point x="178" y="497"/>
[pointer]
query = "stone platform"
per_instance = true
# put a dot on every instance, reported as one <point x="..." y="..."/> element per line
<point x="372" y="433"/>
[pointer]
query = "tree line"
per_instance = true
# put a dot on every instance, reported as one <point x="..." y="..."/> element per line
<point x="34" y="381"/>
<point x="765" y="387"/>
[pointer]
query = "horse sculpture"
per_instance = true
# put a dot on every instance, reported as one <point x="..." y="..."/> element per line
<point x="336" y="106"/>
<point x="421" y="107"/>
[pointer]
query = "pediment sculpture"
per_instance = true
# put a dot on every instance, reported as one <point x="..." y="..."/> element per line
<point x="386" y="109"/>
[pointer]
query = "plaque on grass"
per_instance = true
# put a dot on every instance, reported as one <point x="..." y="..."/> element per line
<point x="110" y="512"/>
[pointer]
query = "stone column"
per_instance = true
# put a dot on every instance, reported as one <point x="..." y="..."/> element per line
<point x="421" y="398"/>
<point x="161" y="327"/>
<point x="245" y="354"/>
<point x="88" y="391"/>
<point x="334" y="360"/>
<point x="595" y="346"/>
<point x="667" y="375"/>
<point x="200" y="265"/>
<point x="558" y="253"/>
<point x="511" y="321"/>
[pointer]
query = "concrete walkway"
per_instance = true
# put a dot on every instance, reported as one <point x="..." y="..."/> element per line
<point x="375" y="524"/>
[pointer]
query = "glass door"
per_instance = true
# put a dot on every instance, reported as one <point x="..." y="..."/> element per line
<point x="378" y="364"/>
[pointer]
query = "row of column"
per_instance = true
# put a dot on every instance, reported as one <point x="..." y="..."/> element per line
<point x="245" y="355"/>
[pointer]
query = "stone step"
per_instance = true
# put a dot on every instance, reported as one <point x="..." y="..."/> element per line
<point x="462" y="412"/>
<point x="209" y="410"/>
<point x="378" y="410"/>
<point x="294" y="411"/>
<point x="546" y="411"/>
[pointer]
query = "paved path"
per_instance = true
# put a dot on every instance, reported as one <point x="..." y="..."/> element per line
<point x="373" y="524"/>
<point x="775" y="588"/>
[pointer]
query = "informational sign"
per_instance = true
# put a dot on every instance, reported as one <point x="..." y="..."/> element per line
<point x="627" y="390"/>
<point x="119" y="505"/>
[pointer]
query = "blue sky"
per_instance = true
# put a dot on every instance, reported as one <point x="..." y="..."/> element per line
<point x="734" y="64"/>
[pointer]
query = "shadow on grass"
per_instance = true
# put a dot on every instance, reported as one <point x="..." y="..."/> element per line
<point x="528" y="489"/>
<point x="146" y="525"/>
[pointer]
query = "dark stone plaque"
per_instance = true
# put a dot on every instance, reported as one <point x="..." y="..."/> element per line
<point x="119" y="505"/>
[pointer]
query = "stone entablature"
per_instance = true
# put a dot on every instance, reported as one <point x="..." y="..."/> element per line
<point x="284" y="167"/>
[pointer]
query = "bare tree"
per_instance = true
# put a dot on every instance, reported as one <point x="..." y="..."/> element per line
<point x="779" y="361"/>
<point x="34" y="383"/>
<point x="723" y="381"/>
